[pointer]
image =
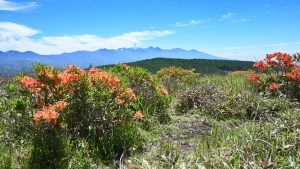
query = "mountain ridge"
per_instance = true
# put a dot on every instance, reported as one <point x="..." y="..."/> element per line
<point x="15" y="61"/>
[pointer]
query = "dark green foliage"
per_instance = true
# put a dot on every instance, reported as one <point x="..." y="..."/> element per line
<point x="115" y="142"/>
<point x="203" y="66"/>
<point x="49" y="149"/>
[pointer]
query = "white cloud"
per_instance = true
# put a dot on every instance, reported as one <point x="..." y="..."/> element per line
<point x="254" y="52"/>
<point x="232" y="17"/>
<point x="16" y="6"/>
<point x="18" y="37"/>
<point x="10" y="28"/>
<point x="190" y="23"/>
<point x="227" y="16"/>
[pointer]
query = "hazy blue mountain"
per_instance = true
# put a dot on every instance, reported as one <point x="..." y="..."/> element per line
<point x="14" y="61"/>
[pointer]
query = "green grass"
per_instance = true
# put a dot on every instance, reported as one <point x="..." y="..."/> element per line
<point x="253" y="145"/>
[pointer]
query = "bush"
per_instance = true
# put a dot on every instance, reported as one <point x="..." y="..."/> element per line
<point x="175" y="78"/>
<point x="280" y="74"/>
<point x="228" y="99"/>
<point x="49" y="148"/>
<point x="94" y="105"/>
<point x="212" y="99"/>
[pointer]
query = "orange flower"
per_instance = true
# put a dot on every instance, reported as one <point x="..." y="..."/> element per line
<point x="163" y="91"/>
<point x="121" y="102"/>
<point x="132" y="96"/>
<point x="28" y="82"/>
<point x="60" y="105"/>
<point x="47" y="115"/>
<point x="150" y="79"/>
<point x="93" y="70"/>
<point x="64" y="78"/>
<point x="294" y="74"/>
<point x="50" y="75"/>
<point x="71" y="68"/>
<point x="82" y="73"/>
<point x="114" y="82"/>
<point x="261" y="65"/>
<point x="291" y="76"/>
<point x="138" y="115"/>
<point x="97" y="75"/>
<point x="253" y="77"/>
<point x="297" y="71"/>
<point x="273" y="86"/>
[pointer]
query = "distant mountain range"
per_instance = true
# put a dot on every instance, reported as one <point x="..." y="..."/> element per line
<point x="14" y="61"/>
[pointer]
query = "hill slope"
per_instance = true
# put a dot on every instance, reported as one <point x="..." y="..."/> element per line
<point x="204" y="66"/>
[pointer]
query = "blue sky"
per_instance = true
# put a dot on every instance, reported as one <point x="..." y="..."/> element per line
<point x="234" y="29"/>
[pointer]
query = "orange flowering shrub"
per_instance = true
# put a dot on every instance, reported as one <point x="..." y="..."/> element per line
<point x="151" y="96"/>
<point x="175" y="78"/>
<point x="279" y="73"/>
<point x="94" y="104"/>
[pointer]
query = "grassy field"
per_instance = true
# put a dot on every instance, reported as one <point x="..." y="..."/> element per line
<point x="215" y="121"/>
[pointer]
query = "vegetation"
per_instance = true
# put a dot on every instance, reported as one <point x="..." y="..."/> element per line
<point x="202" y="66"/>
<point x="125" y="116"/>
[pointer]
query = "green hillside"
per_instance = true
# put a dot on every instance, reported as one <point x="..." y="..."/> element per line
<point x="204" y="66"/>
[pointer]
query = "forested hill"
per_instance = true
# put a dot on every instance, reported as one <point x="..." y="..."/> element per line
<point x="204" y="66"/>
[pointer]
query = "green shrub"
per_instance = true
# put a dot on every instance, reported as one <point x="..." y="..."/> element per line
<point x="226" y="99"/>
<point x="175" y="78"/>
<point x="213" y="100"/>
<point x="49" y="148"/>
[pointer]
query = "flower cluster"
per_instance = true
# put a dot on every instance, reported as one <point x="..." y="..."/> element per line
<point x="278" y="71"/>
<point x="126" y="97"/>
<point x="294" y="74"/>
<point x="162" y="91"/>
<point x="253" y="77"/>
<point x="49" y="114"/>
<point x="33" y="85"/>
<point x="138" y="115"/>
